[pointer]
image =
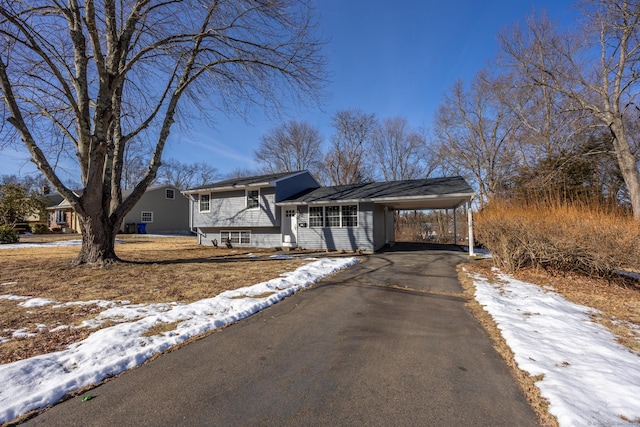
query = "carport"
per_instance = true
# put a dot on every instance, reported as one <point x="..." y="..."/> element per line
<point x="434" y="202"/>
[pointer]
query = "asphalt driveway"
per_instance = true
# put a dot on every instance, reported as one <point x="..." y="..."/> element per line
<point x="387" y="342"/>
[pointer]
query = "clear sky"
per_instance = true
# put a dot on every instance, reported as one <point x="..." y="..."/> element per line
<point x="394" y="59"/>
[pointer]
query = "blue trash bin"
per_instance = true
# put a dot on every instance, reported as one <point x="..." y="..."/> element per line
<point x="142" y="228"/>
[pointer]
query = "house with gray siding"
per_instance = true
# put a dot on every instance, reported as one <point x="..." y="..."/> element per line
<point x="292" y="209"/>
<point x="161" y="209"/>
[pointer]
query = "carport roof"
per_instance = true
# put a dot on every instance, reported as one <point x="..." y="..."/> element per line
<point x="430" y="193"/>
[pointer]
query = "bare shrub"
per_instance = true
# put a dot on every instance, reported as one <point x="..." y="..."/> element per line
<point x="589" y="238"/>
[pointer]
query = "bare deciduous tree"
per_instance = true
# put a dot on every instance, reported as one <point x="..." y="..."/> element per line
<point x="594" y="68"/>
<point x="135" y="159"/>
<point x="102" y="74"/>
<point x="293" y="146"/>
<point x="241" y="173"/>
<point x="475" y="132"/>
<point x="186" y="175"/>
<point x="548" y="124"/>
<point x="400" y="152"/>
<point x="347" y="161"/>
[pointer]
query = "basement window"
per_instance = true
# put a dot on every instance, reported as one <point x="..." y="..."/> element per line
<point x="236" y="237"/>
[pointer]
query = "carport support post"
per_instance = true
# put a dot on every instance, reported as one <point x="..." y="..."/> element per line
<point x="455" y="227"/>
<point x="470" y="221"/>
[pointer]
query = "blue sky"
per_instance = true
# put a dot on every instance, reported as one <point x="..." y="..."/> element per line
<point x="394" y="59"/>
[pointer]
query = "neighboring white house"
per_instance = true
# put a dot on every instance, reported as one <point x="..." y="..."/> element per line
<point x="161" y="210"/>
<point x="293" y="210"/>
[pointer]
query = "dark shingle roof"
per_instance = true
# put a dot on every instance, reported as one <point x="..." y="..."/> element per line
<point x="249" y="180"/>
<point x="386" y="190"/>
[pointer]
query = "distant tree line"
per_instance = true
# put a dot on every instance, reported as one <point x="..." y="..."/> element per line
<point x="362" y="148"/>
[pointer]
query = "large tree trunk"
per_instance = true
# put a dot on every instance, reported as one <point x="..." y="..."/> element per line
<point x="628" y="164"/>
<point x="98" y="240"/>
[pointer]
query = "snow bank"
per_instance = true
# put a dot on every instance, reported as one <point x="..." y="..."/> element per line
<point x="589" y="378"/>
<point x="43" y="380"/>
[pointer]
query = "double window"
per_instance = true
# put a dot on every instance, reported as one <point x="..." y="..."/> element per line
<point x="236" y="237"/>
<point x="333" y="216"/>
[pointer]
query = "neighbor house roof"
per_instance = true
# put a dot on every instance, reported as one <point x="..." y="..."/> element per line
<point x="431" y="193"/>
<point x="64" y="204"/>
<point x="249" y="181"/>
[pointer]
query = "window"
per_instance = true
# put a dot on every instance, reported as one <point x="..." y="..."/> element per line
<point x="315" y="216"/>
<point x="146" y="216"/>
<point x="350" y="215"/>
<point x="170" y="193"/>
<point x="253" y="197"/>
<point x="60" y="217"/>
<point x="332" y="216"/>
<point x="236" y="237"/>
<point x="205" y="203"/>
<point x="290" y="213"/>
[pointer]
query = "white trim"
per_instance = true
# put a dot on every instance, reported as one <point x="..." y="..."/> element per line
<point x="455" y="196"/>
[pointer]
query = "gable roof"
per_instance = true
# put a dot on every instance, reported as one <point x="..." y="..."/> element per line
<point x="430" y="193"/>
<point x="64" y="204"/>
<point x="249" y="181"/>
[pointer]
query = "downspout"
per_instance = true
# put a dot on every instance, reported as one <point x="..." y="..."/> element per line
<point x="191" y="202"/>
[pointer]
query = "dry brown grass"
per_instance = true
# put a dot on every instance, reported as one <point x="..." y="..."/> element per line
<point x="154" y="270"/>
<point x="619" y="307"/>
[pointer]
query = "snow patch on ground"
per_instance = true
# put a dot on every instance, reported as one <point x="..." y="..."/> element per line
<point x="589" y="378"/>
<point x="36" y="302"/>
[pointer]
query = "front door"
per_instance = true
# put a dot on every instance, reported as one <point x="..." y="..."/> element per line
<point x="289" y="227"/>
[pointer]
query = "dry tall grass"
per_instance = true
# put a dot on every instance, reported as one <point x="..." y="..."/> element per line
<point x="588" y="238"/>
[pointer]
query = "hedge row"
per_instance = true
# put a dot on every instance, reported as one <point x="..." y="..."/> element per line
<point x="585" y="238"/>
